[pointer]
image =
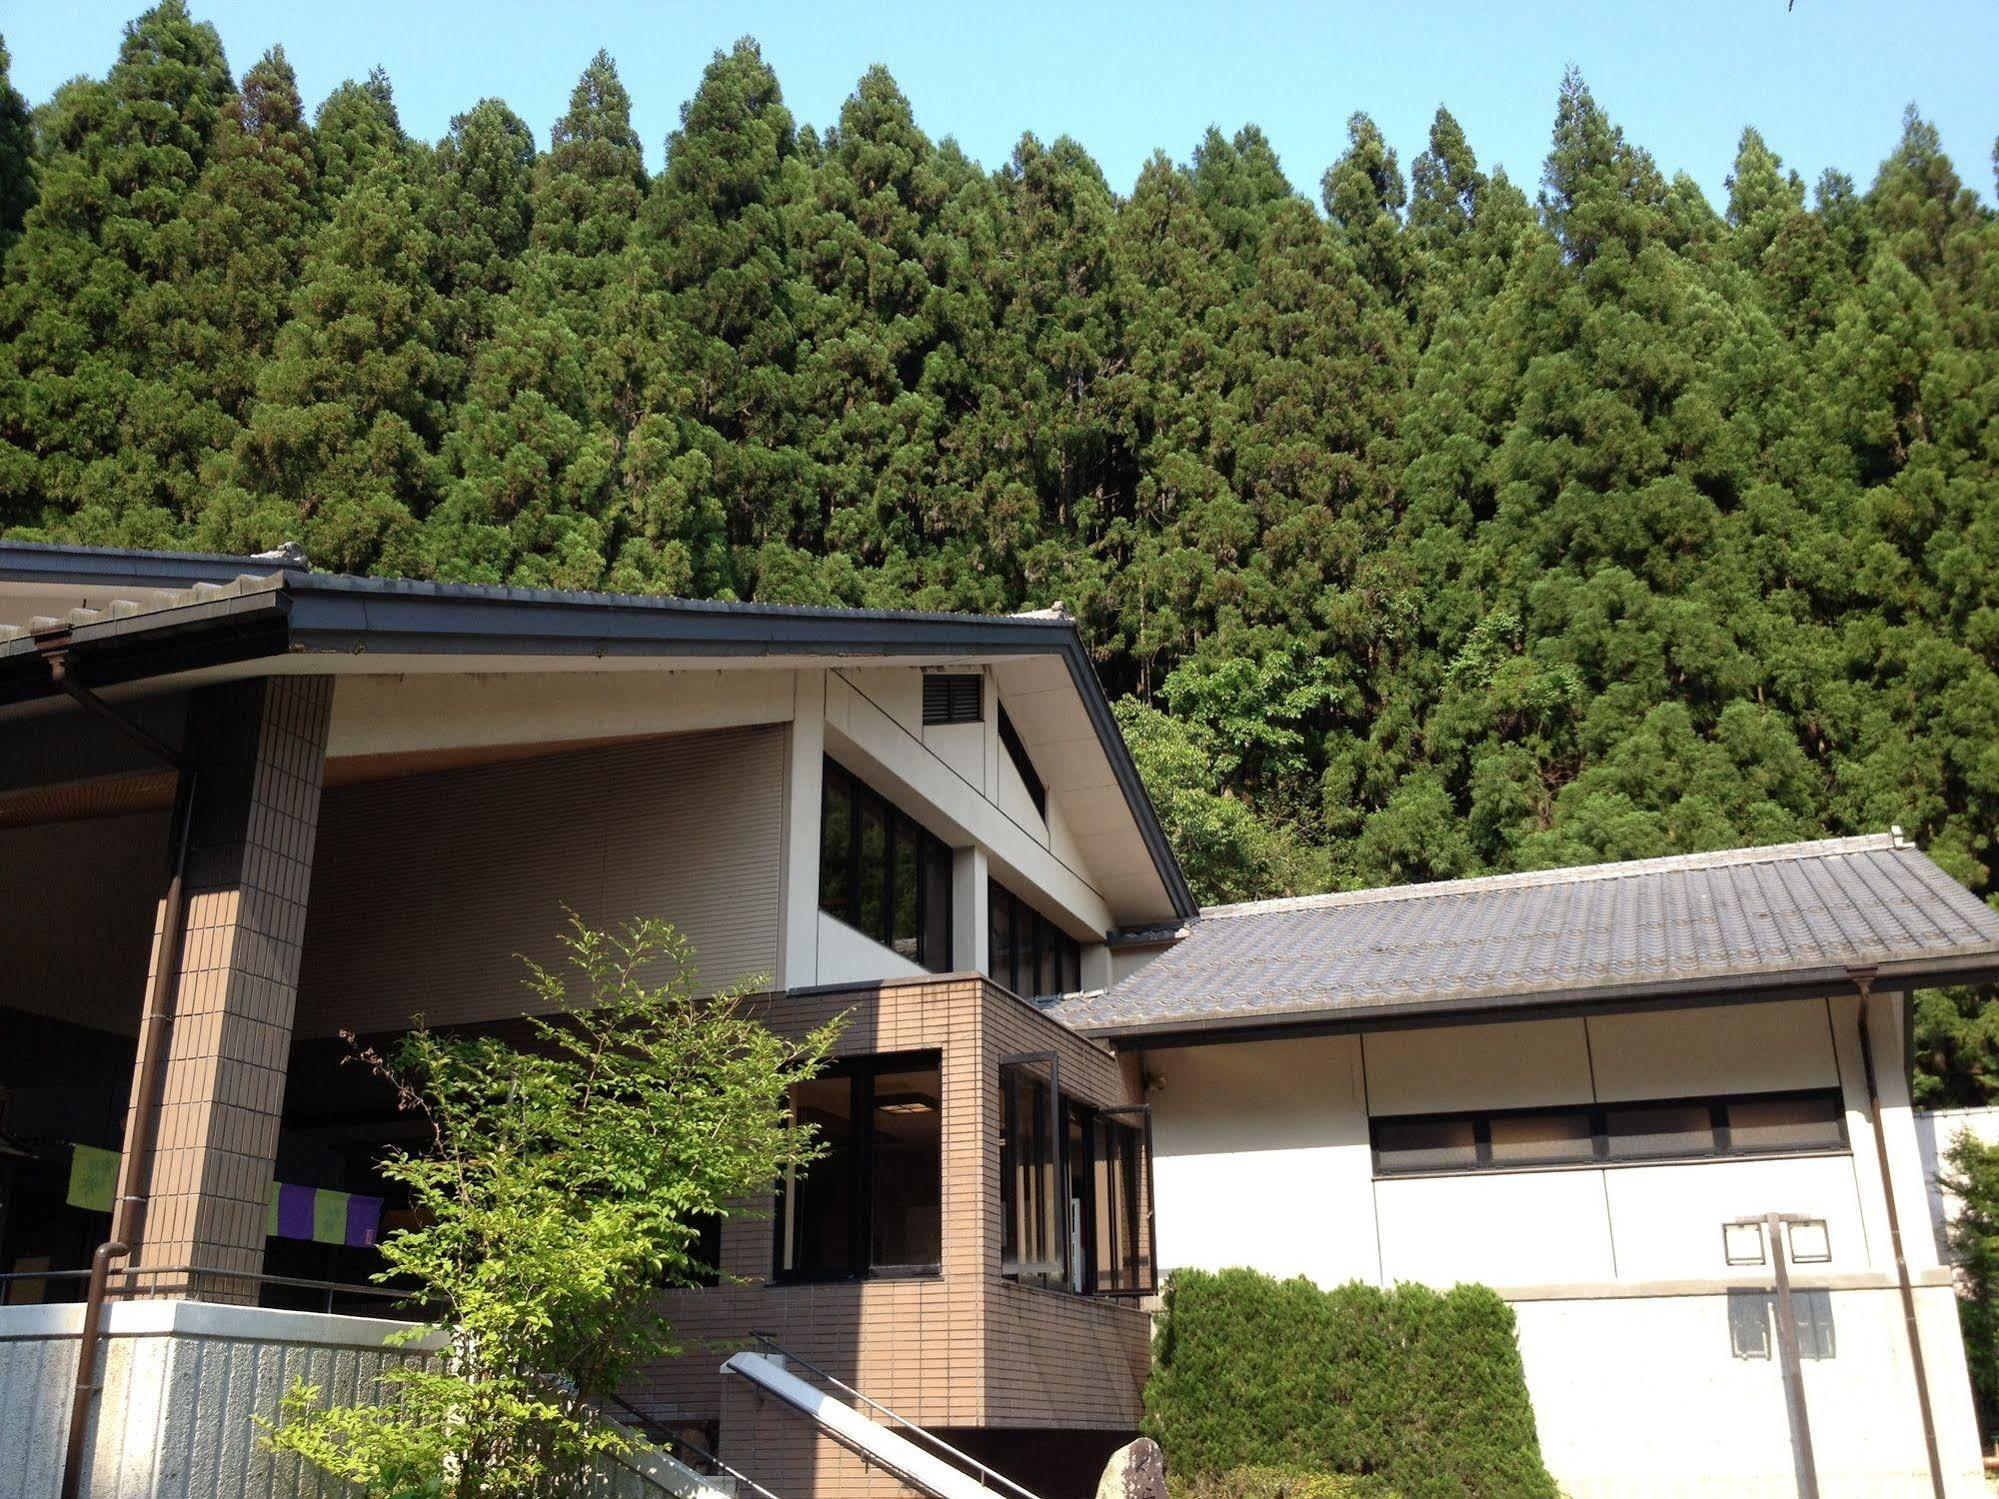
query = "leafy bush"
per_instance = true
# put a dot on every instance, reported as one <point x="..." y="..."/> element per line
<point x="1971" y="1171"/>
<point x="1275" y="1483"/>
<point x="1421" y="1390"/>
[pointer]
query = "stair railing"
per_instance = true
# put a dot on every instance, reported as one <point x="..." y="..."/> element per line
<point x="987" y="1476"/>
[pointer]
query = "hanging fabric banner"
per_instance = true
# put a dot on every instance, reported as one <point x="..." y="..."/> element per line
<point x="93" y="1178"/>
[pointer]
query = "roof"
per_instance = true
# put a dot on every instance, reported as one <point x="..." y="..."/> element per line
<point x="1765" y="922"/>
<point x="151" y="614"/>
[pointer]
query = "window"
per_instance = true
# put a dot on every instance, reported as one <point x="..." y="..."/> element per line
<point x="1075" y="1187"/>
<point x="871" y="1205"/>
<point x="1027" y="952"/>
<point x="1611" y="1134"/>
<point x="1017" y="752"/>
<point x="953" y="697"/>
<point x="883" y="873"/>
<point x="1752" y="1315"/>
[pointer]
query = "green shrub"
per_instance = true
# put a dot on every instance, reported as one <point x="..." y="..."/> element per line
<point x="1420" y="1389"/>
<point x="1275" y="1483"/>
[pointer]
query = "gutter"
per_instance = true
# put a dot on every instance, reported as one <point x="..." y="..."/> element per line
<point x="1863" y="980"/>
<point x="128" y="1213"/>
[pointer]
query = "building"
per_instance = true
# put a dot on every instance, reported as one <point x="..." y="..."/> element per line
<point x="1564" y="1085"/>
<point x="245" y="807"/>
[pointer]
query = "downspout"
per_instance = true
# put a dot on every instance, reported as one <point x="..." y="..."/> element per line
<point x="1863" y="980"/>
<point x="128" y="1211"/>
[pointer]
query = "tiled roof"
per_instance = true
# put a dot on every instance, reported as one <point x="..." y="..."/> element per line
<point x="1742" y="919"/>
<point x="142" y="604"/>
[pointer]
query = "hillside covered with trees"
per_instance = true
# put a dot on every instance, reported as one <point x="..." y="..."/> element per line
<point x="1437" y="525"/>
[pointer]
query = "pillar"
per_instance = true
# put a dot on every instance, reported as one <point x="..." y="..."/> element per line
<point x="257" y="750"/>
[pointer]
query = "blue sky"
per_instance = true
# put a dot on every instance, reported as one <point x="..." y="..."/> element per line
<point x="1825" y="82"/>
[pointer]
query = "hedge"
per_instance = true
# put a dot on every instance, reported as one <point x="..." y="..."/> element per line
<point x="1420" y="1389"/>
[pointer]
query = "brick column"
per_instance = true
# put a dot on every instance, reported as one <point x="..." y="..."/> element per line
<point x="258" y="751"/>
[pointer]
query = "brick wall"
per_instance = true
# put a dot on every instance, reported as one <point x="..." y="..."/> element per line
<point x="961" y="1349"/>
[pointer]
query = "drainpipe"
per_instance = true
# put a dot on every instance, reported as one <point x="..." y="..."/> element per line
<point x="128" y="1212"/>
<point x="1863" y="981"/>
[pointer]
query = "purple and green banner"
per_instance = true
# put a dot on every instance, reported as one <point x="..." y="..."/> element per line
<point x="323" y="1215"/>
<point x="316" y="1213"/>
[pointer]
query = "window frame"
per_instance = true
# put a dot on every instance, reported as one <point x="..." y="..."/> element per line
<point x="1077" y="1242"/>
<point x="861" y="1073"/>
<point x="1023" y="763"/>
<point x="1028" y="934"/>
<point x="1602" y="1146"/>
<point x="862" y="801"/>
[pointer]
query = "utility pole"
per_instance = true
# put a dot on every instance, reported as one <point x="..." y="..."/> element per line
<point x="1744" y="1243"/>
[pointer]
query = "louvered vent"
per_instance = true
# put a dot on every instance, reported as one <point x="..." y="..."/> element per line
<point x="953" y="697"/>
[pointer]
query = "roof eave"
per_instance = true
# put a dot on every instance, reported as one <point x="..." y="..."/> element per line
<point x="1544" y="1004"/>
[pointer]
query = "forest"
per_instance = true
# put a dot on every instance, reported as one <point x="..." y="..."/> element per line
<point x="1435" y="525"/>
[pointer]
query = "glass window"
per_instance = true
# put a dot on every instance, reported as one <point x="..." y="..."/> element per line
<point x="1030" y="954"/>
<point x="1000" y="918"/>
<point x="836" y="845"/>
<point x="818" y="1202"/>
<point x="1660" y="1130"/>
<point x="906" y="1166"/>
<point x="1806" y="1121"/>
<point x="1120" y="1263"/>
<point x="1527" y="1139"/>
<point x="906" y="937"/>
<point x="1034" y="1240"/>
<point x="871" y="900"/>
<point x="872" y="1203"/>
<point x="1425" y="1144"/>
<point x="883" y="873"/>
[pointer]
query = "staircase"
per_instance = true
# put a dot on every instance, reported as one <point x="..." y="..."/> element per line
<point x="920" y="1458"/>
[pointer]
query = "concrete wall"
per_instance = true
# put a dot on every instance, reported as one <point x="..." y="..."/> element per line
<point x="426" y="887"/>
<point x="1615" y="1272"/>
<point x="184" y="1385"/>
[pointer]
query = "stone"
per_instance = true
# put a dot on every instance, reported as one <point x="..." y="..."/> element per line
<point x="1136" y="1471"/>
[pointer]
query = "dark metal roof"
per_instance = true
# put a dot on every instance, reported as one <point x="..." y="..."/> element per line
<point x="1747" y="922"/>
<point x="198" y="609"/>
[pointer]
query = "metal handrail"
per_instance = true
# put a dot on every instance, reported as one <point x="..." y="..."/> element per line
<point x="130" y="1272"/>
<point x="983" y="1473"/>
<point x="674" y="1439"/>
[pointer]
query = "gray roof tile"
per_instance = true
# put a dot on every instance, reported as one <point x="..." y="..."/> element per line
<point x="1745" y="918"/>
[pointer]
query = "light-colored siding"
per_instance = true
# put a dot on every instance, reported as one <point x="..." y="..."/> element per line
<point x="426" y="887"/>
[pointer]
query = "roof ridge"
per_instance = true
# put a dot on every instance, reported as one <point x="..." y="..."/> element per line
<point x="1819" y="848"/>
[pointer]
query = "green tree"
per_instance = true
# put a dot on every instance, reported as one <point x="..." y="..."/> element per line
<point x="564" y="1181"/>
<point x="17" y="158"/>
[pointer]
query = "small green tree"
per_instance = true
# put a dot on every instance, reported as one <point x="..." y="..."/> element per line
<point x="561" y="1188"/>
<point x="1971" y="1172"/>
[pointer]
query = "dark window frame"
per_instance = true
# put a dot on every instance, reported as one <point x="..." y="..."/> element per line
<point x="1023" y="763"/>
<point x="930" y="927"/>
<point x="1029" y="935"/>
<point x="1602" y="1148"/>
<point x="946" y="694"/>
<point x="861" y="1072"/>
<point x="1069" y="1119"/>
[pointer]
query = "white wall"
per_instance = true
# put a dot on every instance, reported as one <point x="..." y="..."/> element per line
<point x="850" y="957"/>
<point x="1640" y="1398"/>
<point x="1261" y="1158"/>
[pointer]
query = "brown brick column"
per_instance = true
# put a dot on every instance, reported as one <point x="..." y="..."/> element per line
<point x="258" y="752"/>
